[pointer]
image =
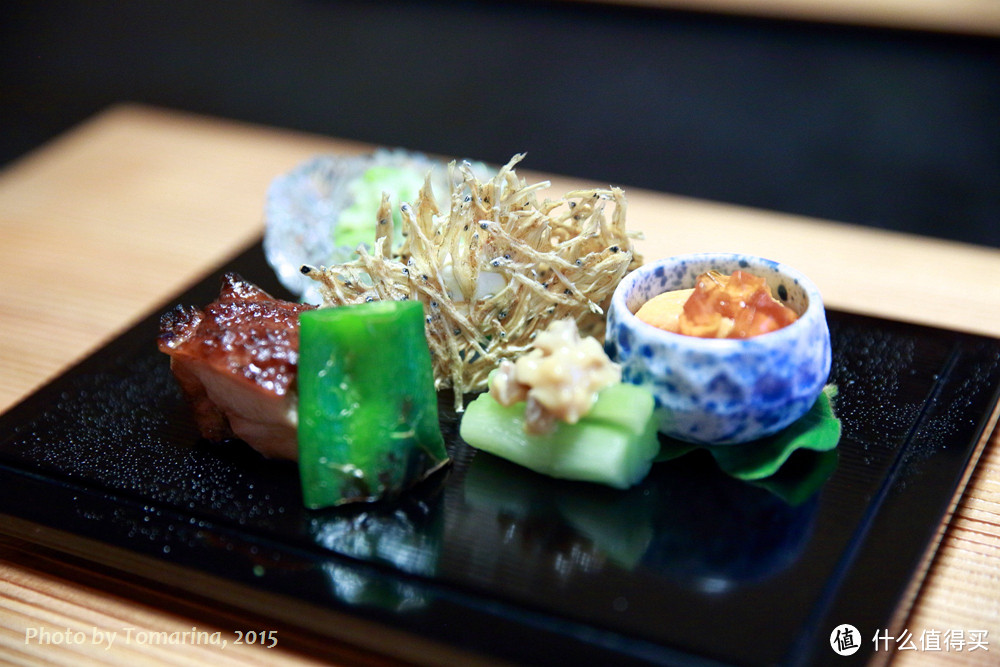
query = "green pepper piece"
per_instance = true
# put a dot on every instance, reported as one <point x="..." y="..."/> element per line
<point x="368" y="417"/>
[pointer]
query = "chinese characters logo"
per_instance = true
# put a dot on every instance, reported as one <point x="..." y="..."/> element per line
<point x="845" y="639"/>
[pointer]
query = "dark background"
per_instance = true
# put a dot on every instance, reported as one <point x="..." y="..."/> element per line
<point x="889" y="128"/>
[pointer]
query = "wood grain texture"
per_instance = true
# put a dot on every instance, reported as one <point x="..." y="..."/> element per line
<point x="106" y="223"/>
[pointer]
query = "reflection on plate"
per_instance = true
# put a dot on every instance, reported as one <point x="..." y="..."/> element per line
<point x="686" y="522"/>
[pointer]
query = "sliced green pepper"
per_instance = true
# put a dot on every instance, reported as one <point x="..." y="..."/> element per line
<point x="368" y="418"/>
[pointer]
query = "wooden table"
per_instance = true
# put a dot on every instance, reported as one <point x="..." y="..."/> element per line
<point x="106" y="223"/>
<point x="974" y="17"/>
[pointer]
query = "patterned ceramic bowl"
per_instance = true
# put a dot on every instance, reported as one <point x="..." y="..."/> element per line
<point x="722" y="391"/>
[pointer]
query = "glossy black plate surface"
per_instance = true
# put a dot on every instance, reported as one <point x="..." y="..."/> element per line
<point x="497" y="562"/>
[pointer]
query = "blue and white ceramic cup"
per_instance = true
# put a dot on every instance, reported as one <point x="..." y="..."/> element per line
<point x="722" y="391"/>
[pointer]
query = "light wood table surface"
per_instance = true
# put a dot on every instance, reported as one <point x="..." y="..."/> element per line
<point x="106" y="223"/>
<point x="972" y="17"/>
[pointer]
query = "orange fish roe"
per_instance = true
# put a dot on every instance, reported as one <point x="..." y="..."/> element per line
<point x="719" y="306"/>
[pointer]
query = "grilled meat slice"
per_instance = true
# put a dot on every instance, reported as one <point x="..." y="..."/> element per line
<point x="236" y="362"/>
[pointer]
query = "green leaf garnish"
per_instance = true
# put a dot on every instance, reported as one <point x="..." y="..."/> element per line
<point x="818" y="429"/>
<point x="759" y="461"/>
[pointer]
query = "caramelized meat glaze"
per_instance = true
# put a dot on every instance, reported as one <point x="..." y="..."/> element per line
<point x="235" y="360"/>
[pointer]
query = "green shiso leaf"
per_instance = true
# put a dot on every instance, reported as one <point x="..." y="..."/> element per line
<point x="761" y="460"/>
<point x="818" y="430"/>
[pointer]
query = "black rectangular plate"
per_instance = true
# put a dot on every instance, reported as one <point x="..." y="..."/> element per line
<point x="494" y="562"/>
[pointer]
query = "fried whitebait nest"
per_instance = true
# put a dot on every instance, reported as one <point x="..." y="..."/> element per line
<point x="494" y="270"/>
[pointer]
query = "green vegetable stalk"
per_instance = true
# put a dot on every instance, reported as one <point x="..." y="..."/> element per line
<point x="368" y="418"/>
<point x="613" y="444"/>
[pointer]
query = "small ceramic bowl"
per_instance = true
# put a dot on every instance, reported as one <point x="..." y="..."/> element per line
<point x="722" y="391"/>
<point x="305" y="206"/>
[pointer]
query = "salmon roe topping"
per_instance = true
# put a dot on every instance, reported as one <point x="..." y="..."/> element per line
<point x="735" y="306"/>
